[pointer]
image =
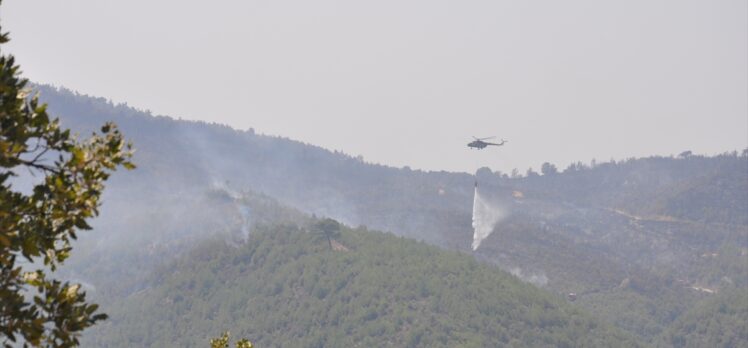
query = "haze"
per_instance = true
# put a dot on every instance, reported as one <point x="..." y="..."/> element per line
<point x="409" y="82"/>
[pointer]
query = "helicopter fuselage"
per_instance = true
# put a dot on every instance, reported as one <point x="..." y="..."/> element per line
<point x="480" y="144"/>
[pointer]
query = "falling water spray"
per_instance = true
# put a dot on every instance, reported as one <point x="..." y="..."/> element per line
<point x="485" y="218"/>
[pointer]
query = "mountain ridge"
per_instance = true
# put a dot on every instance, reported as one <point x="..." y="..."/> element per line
<point x="586" y="230"/>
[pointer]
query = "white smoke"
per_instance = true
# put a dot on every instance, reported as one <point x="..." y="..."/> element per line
<point x="246" y="221"/>
<point x="485" y="217"/>
<point x="537" y="279"/>
<point x="243" y="209"/>
<point x="224" y="187"/>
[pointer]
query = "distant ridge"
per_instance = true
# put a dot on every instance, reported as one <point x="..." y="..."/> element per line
<point x="585" y="229"/>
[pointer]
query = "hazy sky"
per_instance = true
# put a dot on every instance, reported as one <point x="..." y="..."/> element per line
<point x="409" y="82"/>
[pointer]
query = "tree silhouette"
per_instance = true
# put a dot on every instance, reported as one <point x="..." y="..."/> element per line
<point x="328" y="228"/>
<point x="38" y="225"/>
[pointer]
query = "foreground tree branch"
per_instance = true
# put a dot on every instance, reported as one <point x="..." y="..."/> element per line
<point x="35" y="309"/>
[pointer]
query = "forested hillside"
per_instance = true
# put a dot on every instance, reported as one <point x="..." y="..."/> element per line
<point x="286" y="288"/>
<point x="721" y="321"/>
<point x="163" y="229"/>
<point x="638" y="241"/>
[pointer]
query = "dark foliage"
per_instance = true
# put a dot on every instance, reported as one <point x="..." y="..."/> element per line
<point x="38" y="223"/>
<point x="283" y="290"/>
<point x="721" y="321"/>
<point x="640" y="241"/>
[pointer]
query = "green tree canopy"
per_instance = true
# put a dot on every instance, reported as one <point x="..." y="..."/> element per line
<point x="37" y="225"/>
<point x="328" y="228"/>
<point x="548" y="169"/>
<point x="223" y="342"/>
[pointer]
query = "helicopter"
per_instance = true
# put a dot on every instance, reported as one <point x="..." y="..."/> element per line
<point x="481" y="143"/>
